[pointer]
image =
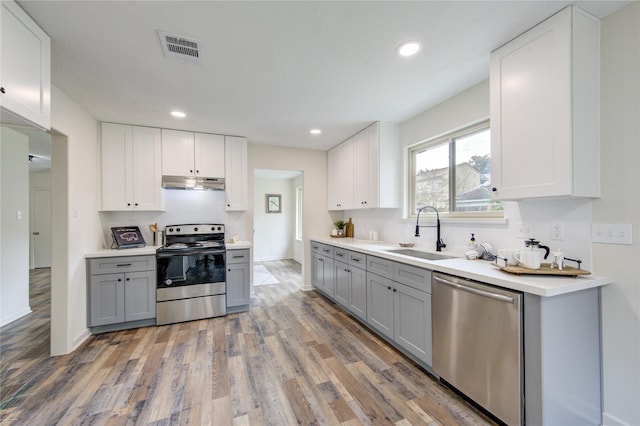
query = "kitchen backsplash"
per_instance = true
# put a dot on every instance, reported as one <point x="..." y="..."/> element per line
<point x="180" y="207"/>
<point x="535" y="215"/>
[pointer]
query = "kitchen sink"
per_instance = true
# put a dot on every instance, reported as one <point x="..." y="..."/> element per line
<point x="421" y="254"/>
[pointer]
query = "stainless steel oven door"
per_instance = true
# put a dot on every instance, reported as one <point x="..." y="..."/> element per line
<point x="190" y="267"/>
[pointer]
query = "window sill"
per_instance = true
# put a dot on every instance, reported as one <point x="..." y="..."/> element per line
<point x="462" y="220"/>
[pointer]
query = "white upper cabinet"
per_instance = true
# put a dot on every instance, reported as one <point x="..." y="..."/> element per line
<point x="131" y="163"/>
<point x="209" y="155"/>
<point x="192" y="154"/>
<point x="545" y="101"/>
<point x="364" y="171"/>
<point x="236" y="183"/>
<point x="25" y="69"/>
<point x="340" y="176"/>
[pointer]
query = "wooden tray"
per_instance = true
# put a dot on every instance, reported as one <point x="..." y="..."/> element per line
<point x="567" y="271"/>
<point x="337" y="236"/>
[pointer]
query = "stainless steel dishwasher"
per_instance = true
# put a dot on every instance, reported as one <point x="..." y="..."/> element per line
<point x="477" y="343"/>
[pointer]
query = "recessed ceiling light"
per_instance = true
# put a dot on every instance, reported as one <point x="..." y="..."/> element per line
<point x="409" y="48"/>
<point x="315" y="131"/>
<point x="178" y="114"/>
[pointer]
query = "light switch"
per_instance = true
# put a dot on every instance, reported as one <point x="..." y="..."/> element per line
<point x="19" y="214"/>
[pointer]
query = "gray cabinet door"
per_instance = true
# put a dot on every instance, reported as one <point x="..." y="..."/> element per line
<point x="238" y="284"/>
<point x="358" y="295"/>
<point x="316" y="271"/>
<point x="412" y="321"/>
<point x="328" y="279"/>
<point x="107" y="299"/>
<point x="380" y="304"/>
<point x="139" y="295"/>
<point x="342" y="283"/>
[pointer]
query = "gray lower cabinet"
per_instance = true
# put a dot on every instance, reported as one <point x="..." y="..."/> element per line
<point x="350" y="282"/>
<point x="121" y="291"/>
<point x="238" y="280"/>
<point x="322" y="276"/>
<point x="402" y="312"/>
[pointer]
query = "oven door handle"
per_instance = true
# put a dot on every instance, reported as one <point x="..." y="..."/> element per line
<point x="187" y="252"/>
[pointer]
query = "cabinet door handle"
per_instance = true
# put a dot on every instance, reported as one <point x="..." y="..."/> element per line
<point x="128" y="279"/>
<point x="123" y="264"/>
<point x="388" y="288"/>
<point x="2" y="90"/>
<point x="119" y="279"/>
<point x="228" y="270"/>
<point x="494" y="189"/>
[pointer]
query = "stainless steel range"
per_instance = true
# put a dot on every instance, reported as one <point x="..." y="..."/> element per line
<point x="191" y="273"/>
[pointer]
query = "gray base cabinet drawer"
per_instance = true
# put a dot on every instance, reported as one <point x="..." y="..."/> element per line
<point x="110" y="265"/>
<point x="415" y="277"/>
<point x="238" y="256"/>
<point x="380" y="266"/>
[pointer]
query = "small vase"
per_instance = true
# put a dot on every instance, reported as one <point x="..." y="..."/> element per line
<point x="341" y="232"/>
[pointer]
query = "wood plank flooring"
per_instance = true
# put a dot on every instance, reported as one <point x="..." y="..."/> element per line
<point x="295" y="358"/>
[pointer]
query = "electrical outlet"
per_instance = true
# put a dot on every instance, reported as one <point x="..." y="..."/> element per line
<point x="557" y="231"/>
<point x="618" y="233"/>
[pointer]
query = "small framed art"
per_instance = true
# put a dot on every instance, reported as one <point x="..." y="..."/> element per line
<point x="273" y="203"/>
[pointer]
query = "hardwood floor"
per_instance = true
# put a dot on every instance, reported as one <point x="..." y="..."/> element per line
<point x="295" y="358"/>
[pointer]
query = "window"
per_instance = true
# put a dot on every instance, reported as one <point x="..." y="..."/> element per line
<point x="299" y="213"/>
<point x="453" y="173"/>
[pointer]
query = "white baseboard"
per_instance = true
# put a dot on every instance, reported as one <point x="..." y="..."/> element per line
<point x="269" y="259"/>
<point x="15" y="316"/>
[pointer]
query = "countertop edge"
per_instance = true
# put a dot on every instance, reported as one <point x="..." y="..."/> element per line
<point x="480" y="270"/>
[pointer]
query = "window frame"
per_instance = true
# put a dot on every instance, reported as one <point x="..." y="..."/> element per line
<point x="446" y="138"/>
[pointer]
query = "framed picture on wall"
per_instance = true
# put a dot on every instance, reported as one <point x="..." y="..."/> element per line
<point x="273" y="203"/>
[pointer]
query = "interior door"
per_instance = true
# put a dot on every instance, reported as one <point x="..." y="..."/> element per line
<point x="41" y="228"/>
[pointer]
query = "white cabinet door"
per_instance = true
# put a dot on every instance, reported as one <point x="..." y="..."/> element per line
<point x="209" y="155"/>
<point x="25" y="68"/>
<point x="340" y="173"/>
<point x="235" y="167"/>
<point x="364" y="170"/>
<point x="146" y="168"/>
<point x="178" y="152"/>
<point x="545" y="110"/>
<point x="131" y="163"/>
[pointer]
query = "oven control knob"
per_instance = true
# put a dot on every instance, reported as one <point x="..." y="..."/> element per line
<point x="168" y="282"/>
<point x="170" y="229"/>
<point x="177" y="229"/>
<point x="219" y="228"/>
<point x="195" y="229"/>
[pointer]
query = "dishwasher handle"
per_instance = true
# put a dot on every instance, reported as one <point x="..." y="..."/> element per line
<point x="476" y="291"/>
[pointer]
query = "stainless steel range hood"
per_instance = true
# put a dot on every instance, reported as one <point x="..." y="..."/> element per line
<point x="192" y="182"/>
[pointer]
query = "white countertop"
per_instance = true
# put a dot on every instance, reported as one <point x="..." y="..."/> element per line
<point x="138" y="251"/>
<point x="480" y="270"/>
<point x="147" y="250"/>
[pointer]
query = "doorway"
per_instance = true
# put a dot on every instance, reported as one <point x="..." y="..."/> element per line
<point x="277" y="220"/>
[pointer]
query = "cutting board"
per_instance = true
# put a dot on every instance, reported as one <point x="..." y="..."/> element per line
<point x="545" y="269"/>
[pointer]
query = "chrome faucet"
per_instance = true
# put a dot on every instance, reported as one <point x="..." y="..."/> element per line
<point x="439" y="243"/>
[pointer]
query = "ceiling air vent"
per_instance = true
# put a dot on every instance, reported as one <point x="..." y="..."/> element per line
<point x="179" y="47"/>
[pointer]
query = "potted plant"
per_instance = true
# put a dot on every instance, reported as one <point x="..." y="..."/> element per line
<point x="340" y="224"/>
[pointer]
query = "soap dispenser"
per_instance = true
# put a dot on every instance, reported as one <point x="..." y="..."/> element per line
<point x="472" y="243"/>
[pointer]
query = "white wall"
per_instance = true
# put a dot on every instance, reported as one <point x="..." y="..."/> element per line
<point x="620" y="203"/>
<point x="273" y="233"/>
<point x="69" y="295"/>
<point x="14" y="244"/>
<point x="313" y="164"/>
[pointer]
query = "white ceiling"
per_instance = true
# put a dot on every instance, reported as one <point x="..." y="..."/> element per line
<point x="270" y="70"/>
